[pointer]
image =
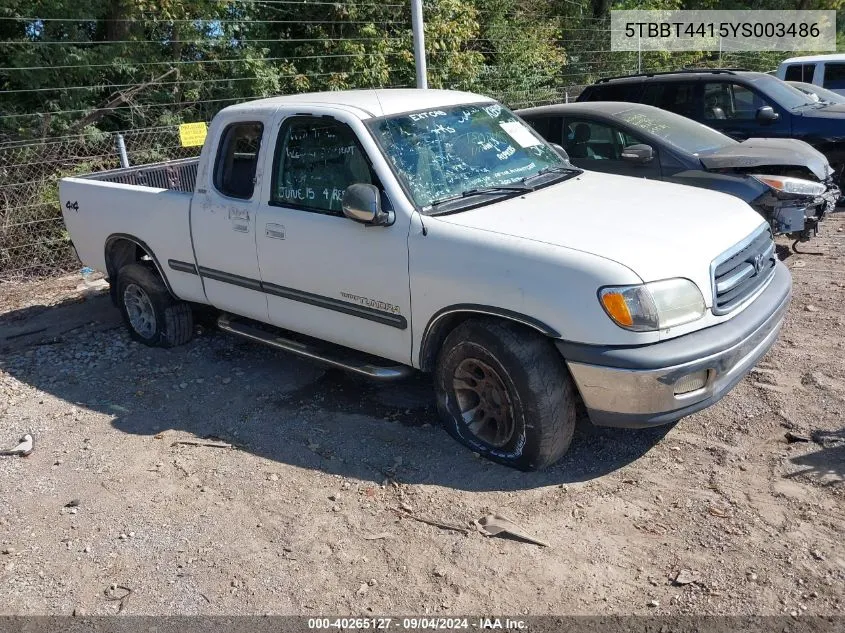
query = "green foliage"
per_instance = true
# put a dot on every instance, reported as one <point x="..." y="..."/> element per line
<point x="158" y="63"/>
<point x="523" y="55"/>
<point x="60" y="60"/>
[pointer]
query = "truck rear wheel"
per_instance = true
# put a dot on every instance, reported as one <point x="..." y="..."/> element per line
<point x="150" y="312"/>
<point x="503" y="391"/>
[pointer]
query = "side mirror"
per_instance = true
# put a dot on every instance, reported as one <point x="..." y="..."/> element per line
<point x="560" y="151"/>
<point x="767" y="114"/>
<point x="362" y="203"/>
<point x="639" y="153"/>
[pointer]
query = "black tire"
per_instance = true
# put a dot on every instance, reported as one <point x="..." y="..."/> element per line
<point x="839" y="175"/>
<point x="537" y="388"/>
<point x="206" y="316"/>
<point x="173" y="322"/>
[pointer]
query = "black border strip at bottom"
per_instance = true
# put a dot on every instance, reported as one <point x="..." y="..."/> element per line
<point x="333" y="622"/>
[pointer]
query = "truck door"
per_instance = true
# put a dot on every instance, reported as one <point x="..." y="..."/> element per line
<point x="223" y="218"/>
<point x="326" y="275"/>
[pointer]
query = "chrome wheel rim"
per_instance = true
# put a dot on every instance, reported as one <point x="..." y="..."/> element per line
<point x="485" y="404"/>
<point x="139" y="309"/>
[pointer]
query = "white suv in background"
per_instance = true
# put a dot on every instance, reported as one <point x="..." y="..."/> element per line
<point x="827" y="71"/>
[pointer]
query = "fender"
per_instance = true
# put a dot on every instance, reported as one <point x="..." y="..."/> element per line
<point x="143" y="246"/>
<point x="741" y="186"/>
<point x="438" y="326"/>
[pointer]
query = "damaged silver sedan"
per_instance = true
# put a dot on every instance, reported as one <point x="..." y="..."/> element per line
<point x="786" y="180"/>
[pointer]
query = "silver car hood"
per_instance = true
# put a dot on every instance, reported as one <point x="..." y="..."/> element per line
<point x="756" y="152"/>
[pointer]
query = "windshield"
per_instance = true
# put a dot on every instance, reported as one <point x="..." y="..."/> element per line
<point x="781" y="92"/>
<point x="445" y="152"/>
<point x="683" y="133"/>
<point x="822" y="93"/>
<point x="828" y="95"/>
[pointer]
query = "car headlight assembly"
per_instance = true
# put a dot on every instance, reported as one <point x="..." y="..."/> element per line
<point x="657" y="305"/>
<point x="790" y="185"/>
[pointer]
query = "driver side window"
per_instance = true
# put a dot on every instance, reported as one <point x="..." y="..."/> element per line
<point x="595" y="141"/>
<point x="316" y="159"/>
<point x="589" y="140"/>
<point x="237" y="160"/>
<point x="729" y="101"/>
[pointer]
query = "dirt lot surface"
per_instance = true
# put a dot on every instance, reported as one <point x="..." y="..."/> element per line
<point x="305" y="514"/>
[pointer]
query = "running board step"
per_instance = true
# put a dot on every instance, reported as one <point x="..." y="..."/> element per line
<point x="326" y="353"/>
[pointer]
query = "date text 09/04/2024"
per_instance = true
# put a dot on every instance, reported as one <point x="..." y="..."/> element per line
<point x="377" y="623"/>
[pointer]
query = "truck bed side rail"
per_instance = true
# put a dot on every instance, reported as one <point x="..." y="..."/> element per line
<point x="177" y="175"/>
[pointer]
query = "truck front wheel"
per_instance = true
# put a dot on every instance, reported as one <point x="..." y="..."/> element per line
<point x="503" y="391"/>
<point x="150" y="312"/>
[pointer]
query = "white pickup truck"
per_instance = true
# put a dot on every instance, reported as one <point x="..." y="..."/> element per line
<point x="387" y="231"/>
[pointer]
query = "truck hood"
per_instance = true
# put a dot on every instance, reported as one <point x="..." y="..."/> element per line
<point x="758" y="152"/>
<point x="658" y="230"/>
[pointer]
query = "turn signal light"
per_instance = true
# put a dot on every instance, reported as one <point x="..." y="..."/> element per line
<point x="617" y="308"/>
<point x="658" y="305"/>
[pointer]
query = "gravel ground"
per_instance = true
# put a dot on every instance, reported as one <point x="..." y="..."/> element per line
<point x="307" y="512"/>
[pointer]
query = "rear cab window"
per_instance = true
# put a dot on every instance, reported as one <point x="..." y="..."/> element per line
<point x="834" y="76"/>
<point x="800" y="72"/>
<point x="237" y="159"/>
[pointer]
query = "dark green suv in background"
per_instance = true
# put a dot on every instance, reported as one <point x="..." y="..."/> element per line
<point x="739" y="103"/>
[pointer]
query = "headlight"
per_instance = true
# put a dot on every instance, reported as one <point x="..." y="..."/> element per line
<point x="653" y="306"/>
<point x="787" y="184"/>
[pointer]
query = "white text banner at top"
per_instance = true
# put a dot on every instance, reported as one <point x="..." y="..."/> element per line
<point x="744" y="30"/>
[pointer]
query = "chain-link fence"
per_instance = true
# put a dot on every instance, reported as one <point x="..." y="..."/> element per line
<point x="33" y="239"/>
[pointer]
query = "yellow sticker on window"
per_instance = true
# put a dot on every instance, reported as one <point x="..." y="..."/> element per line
<point x="193" y="134"/>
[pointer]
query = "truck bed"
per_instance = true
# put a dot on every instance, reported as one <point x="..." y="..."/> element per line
<point x="176" y="175"/>
<point x="149" y="205"/>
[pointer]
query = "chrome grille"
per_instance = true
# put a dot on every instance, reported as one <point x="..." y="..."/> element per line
<point x="740" y="272"/>
<point x="177" y="175"/>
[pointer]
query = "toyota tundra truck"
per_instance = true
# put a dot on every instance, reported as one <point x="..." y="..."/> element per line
<point x="391" y="231"/>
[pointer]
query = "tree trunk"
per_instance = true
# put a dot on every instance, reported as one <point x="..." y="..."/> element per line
<point x="600" y="8"/>
<point x="117" y="20"/>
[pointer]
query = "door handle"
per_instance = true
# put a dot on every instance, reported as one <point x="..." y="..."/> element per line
<point x="274" y="231"/>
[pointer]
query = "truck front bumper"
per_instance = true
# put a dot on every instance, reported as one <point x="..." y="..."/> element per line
<point x="638" y="387"/>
